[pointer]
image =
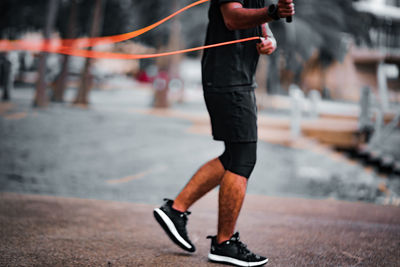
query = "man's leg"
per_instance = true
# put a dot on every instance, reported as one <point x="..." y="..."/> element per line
<point x="233" y="186"/>
<point x="172" y="216"/>
<point x="205" y="179"/>
<point x="231" y="195"/>
<point x="226" y="246"/>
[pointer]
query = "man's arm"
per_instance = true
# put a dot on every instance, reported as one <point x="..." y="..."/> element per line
<point x="237" y="17"/>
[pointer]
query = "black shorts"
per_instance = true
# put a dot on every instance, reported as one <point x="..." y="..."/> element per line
<point x="233" y="115"/>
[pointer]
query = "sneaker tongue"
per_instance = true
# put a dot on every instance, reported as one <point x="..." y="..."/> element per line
<point x="235" y="237"/>
<point x="168" y="201"/>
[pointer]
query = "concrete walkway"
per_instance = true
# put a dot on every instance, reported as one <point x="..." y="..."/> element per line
<point x="55" y="231"/>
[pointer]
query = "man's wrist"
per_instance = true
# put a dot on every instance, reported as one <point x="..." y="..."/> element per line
<point x="273" y="12"/>
<point x="273" y="41"/>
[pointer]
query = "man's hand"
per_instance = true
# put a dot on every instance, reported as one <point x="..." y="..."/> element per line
<point x="268" y="43"/>
<point x="267" y="46"/>
<point x="285" y="8"/>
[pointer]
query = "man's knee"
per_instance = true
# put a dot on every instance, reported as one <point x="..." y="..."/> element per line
<point x="243" y="157"/>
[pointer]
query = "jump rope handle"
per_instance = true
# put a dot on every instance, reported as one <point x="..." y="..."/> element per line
<point x="288" y="20"/>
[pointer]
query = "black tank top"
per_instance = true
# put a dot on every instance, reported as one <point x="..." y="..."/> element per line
<point x="232" y="67"/>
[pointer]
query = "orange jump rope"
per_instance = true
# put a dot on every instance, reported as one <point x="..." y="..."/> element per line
<point x="71" y="46"/>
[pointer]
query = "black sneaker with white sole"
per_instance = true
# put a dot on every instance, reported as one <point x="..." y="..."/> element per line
<point x="174" y="224"/>
<point x="234" y="252"/>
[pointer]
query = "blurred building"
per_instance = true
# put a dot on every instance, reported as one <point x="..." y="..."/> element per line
<point x="383" y="56"/>
<point x="374" y="62"/>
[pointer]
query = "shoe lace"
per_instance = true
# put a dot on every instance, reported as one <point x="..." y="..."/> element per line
<point x="182" y="215"/>
<point x="241" y="246"/>
<point x="182" y="227"/>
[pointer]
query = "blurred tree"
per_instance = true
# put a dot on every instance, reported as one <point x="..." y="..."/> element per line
<point x="195" y="21"/>
<point x="19" y="16"/>
<point x="16" y="17"/>
<point x="320" y="28"/>
<point x="150" y="12"/>
<point x="40" y="99"/>
<point x="5" y="76"/>
<point x="60" y="83"/>
<point x="86" y="77"/>
<point x="169" y="65"/>
<point x="116" y="17"/>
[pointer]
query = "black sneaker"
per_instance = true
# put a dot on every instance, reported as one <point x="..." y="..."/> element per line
<point x="234" y="252"/>
<point x="174" y="224"/>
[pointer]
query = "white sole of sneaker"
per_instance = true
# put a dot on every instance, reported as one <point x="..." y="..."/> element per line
<point x="172" y="228"/>
<point x="218" y="258"/>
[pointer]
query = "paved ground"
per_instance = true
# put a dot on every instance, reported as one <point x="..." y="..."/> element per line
<point x="115" y="151"/>
<point x="126" y="160"/>
<point x="55" y="231"/>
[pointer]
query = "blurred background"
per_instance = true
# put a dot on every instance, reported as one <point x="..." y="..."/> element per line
<point x="329" y="102"/>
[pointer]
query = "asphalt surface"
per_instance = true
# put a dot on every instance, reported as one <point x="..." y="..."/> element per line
<point x="78" y="187"/>
<point x="55" y="231"/>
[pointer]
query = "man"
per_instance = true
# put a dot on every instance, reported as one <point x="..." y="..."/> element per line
<point x="228" y="84"/>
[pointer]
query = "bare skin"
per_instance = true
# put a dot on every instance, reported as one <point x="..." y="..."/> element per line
<point x="231" y="195"/>
<point x="205" y="179"/>
<point x="268" y="44"/>
<point x="237" y="17"/>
